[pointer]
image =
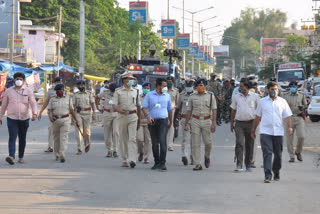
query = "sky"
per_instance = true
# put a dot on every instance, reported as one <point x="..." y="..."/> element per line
<point x="225" y="10"/>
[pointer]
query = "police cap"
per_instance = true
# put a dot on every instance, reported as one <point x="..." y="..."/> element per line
<point x="79" y="82"/>
<point x="293" y="83"/>
<point x="59" y="87"/>
<point x="57" y="79"/>
<point x="201" y="81"/>
<point x="146" y="84"/>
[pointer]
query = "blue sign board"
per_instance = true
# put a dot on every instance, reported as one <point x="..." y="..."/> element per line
<point x="168" y="31"/>
<point x="193" y="50"/>
<point x="200" y="55"/>
<point x="183" y="41"/>
<point x="138" y="15"/>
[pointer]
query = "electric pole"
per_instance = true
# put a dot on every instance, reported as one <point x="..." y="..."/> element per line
<point x="12" y="33"/>
<point x="59" y="41"/>
<point x="82" y="39"/>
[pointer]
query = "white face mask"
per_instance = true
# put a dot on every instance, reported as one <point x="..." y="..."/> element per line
<point x="164" y="90"/>
<point x="19" y="83"/>
<point x="189" y="89"/>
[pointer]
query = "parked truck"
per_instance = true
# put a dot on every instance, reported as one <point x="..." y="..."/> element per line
<point x="291" y="71"/>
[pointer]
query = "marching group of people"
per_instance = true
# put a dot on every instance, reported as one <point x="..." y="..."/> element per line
<point x="138" y="120"/>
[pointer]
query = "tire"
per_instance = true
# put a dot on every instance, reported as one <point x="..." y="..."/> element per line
<point x="314" y="118"/>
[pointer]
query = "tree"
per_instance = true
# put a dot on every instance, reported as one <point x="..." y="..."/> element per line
<point x="107" y="28"/>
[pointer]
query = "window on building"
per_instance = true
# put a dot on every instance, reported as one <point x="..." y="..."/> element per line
<point x="33" y="32"/>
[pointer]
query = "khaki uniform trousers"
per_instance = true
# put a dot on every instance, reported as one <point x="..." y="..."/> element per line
<point x="128" y="135"/>
<point x="50" y="136"/>
<point x="111" y="131"/>
<point x="200" y="128"/>
<point x="186" y="139"/>
<point x="85" y="127"/>
<point x="298" y="127"/>
<point x="170" y="134"/>
<point x="144" y="141"/>
<point x="60" y="132"/>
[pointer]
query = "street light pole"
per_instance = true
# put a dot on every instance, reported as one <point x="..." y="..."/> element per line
<point x="12" y="33"/>
<point x="184" y="52"/>
<point x="168" y="11"/>
<point x="59" y="41"/>
<point x="82" y="39"/>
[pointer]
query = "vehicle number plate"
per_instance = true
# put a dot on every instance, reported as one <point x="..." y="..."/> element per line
<point x="318" y="101"/>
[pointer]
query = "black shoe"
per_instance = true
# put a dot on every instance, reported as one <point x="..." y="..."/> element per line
<point x="185" y="161"/>
<point x="267" y="180"/>
<point x="62" y="160"/>
<point x="162" y="167"/>
<point x="132" y="164"/>
<point x="155" y="166"/>
<point x="276" y="176"/>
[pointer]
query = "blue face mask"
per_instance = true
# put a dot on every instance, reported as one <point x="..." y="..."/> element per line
<point x="293" y="90"/>
<point x="242" y="91"/>
<point x="131" y="82"/>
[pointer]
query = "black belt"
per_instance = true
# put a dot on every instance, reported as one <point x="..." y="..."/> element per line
<point x="244" y="121"/>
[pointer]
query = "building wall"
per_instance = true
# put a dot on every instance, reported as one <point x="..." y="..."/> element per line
<point x="36" y="43"/>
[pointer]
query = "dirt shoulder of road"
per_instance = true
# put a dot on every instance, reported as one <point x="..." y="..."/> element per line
<point x="312" y="137"/>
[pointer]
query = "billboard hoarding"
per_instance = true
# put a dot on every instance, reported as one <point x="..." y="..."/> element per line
<point x="168" y="28"/>
<point x="269" y="46"/>
<point x="18" y="41"/>
<point x="221" y="50"/>
<point x="184" y="41"/>
<point x="193" y="49"/>
<point x="138" y="12"/>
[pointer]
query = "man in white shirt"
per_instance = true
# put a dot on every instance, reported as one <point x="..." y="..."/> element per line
<point x="243" y="107"/>
<point x="271" y="111"/>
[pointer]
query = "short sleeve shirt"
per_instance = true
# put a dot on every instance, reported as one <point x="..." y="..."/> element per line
<point x="60" y="106"/>
<point x="83" y="100"/>
<point x="183" y="103"/>
<point x="199" y="105"/>
<point x="127" y="100"/>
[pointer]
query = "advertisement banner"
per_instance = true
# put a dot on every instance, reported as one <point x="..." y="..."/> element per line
<point x="18" y="41"/>
<point x="221" y="50"/>
<point x="168" y="28"/>
<point x="184" y="41"/>
<point x="138" y="12"/>
<point x="270" y="46"/>
<point x="193" y="49"/>
<point x="3" y="82"/>
<point x="200" y="55"/>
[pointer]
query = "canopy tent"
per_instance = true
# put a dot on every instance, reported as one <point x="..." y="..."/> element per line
<point x="90" y="77"/>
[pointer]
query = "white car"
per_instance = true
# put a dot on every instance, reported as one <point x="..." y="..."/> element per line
<point x="314" y="106"/>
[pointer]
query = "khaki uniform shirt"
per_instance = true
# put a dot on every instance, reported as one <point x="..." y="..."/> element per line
<point x="174" y="94"/>
<point x="106" y="97"/>
<point x="144" y="119"/>
<point x="83" y="100"/>
<point x="294" y="101"/>
<point x="199" y="105"/>
<point x="51" y="92"/>
<point x="183" y="103"/>
<point x="60" y="106"/>
<point x="148" y="56"/>
<point x="126" y="99"/>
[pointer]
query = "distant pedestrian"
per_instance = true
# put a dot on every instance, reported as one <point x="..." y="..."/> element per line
<point x="60" y="107"/>
<point x="271" y="112"/>
<point x="158" y="109"/>
<point x="104" y="86"/>
<point x="17" y="101"/>
<point x="297" y="103"/>
<point x="202" y="107"/>
<point x="243" y="107"/>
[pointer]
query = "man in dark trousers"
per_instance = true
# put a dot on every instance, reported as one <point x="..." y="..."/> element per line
<point x="158" y="110"/>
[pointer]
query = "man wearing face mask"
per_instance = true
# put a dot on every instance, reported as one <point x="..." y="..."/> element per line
<point x="181" y="113"/>
<point x="126" y="101"/>
<point x="17" y="101"/>
<point x="151" y="55"/>
<point x="60" y="107"/>
<point x="202" y="107"/>
<point x="174" y="94"/>
<point x="51" y="92"/>
<point x="105" y="86"/>
<point x="110" y="121"/>
<point x="243" y="107"/>
<point x="298" y="104"/>
<point x="271" y="112"/>
<point x="143" y="134"/>
<point x="83" y="102"/>
<point x="158" y="109"/>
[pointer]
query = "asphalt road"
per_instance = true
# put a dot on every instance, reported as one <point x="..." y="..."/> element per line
<point x="92" y="183"/>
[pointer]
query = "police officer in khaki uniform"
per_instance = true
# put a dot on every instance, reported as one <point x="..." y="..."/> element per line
<point x="297" y="103"/>
<point x="60" y="107"/>
<point x="174" y="94"/>
<point x="151" y="55"/>
<point x="143" y="134"/>
<point x="202" y="108"/>
<point x="110" y="120"/>
<point x="181" y="112"/>
<point x="51" y="92"/>
<point x="83" y="102"/>
<point x="126" y="102"/>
